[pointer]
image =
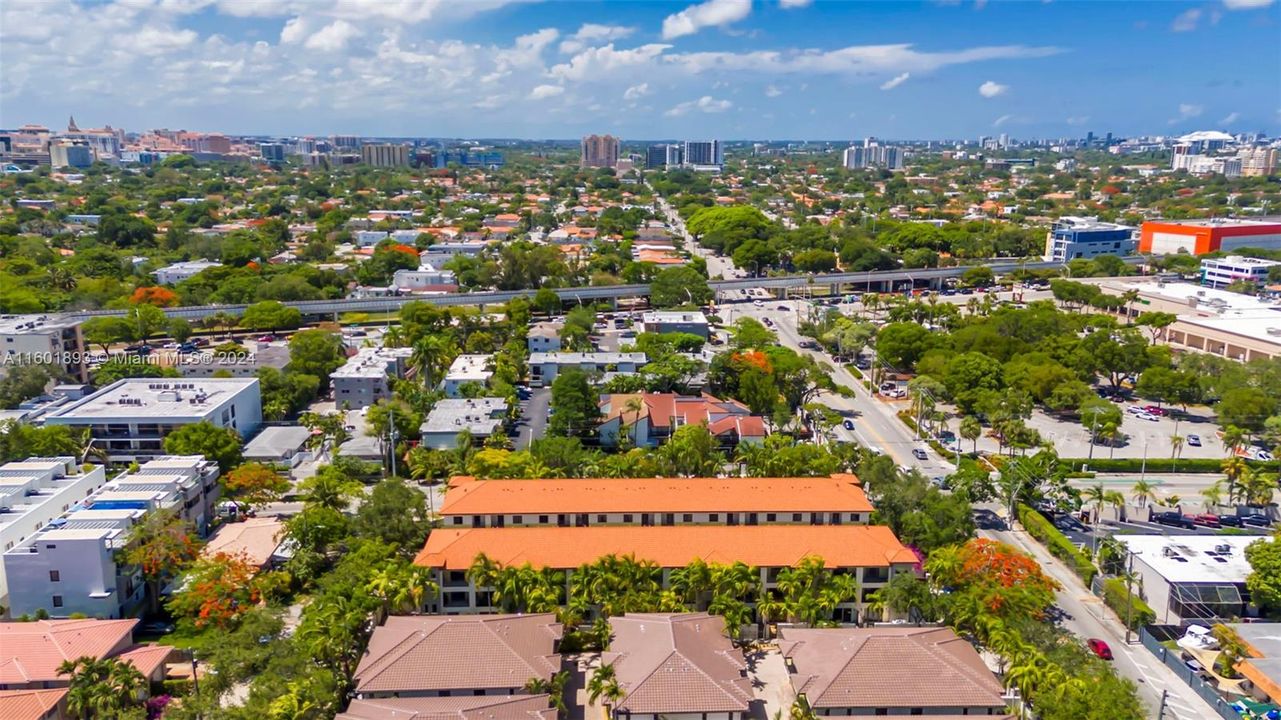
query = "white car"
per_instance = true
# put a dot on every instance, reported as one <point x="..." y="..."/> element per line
<point x="1145" y="415"/>
<point x="758" y="303"/>
<point x="1135" y="410"/>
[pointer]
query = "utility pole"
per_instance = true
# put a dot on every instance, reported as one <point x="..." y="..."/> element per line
<point x="1129" y="592"/>
<point x="1094" y="419"/>
<point x="1143" y="469"/>
<point x="391" y="435"/>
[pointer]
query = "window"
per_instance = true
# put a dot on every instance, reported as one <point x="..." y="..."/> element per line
<point x="687" y="517"/>
<point x="542" y="519"/>
<point x="602" y="518"/>
<point x="714" y="517"/>
<point x="882" y="711"/>
<point x="917" y="711"/>
<point x="54" y="576"/>
<point x="517" y="520"/>
<point x="458" y="520"/>
<point x="770" y="517"/>
<point x="627" y="518"/>
<point x="50" y="547"/>
<point x="796" y="517"/>
<point x="57" y="601"/>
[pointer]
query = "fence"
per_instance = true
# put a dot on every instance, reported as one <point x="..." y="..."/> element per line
<point x="1174" y="661"/>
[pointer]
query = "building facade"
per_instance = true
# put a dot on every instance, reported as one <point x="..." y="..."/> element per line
<point x="1074" y="238"/>
<point x="46" y="339"/>
<point x="366" y="376"/>
<point x="703" y="153"/>
<point x="1224" y="271"/>
<point x="1198" y="237"/>
<point x="599" y="151"/>
<point x="385" y="155"/>
<point x="544" y="367"/>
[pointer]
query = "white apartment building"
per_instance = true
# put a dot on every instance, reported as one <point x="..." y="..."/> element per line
<point x="70" y="565"/>
<point x="544" y="367"/>
<point x="439" y="254"/>
<point x="481" y="417"/>
<point x="426" y="277"/>
<point x="24" y="338"/>
<point x="35" y="491"/>
<point x="664" y="321"/>
<point x="130" y="418"/>
<point x="1221" y="272"/>
<point x="544" y="337"/>
<point x="466" y="369"/>
<point x="366" y="377"/>
<point x="177" y="272"/>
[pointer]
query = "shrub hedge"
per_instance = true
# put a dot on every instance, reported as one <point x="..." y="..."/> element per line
<point x="1161" y="465"/>
<point x="1057" y="543"/>
<point x="1115" y="596"/>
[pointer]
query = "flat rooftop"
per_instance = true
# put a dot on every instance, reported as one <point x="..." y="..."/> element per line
<point x="1208" y="300"/>
<point x="275" y="441"/>
<point x="470" y="367"/>
<point x="371" y="362"/>
<point x="456" y="414"/>
<point x="838" y="493"/>
<point x="151" y="398"/>
<point x="1194" y="558"/>
<point x="669" y="546"/>
<point x="581" y="358"/>
<point x="673" y="316"/>
<point x="1226" y="222"/>
<point x="20" y="324"/>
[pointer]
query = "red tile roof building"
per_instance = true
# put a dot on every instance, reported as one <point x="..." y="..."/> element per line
<point x="33" y="704"/>
<point x="30" y="652"/>
<point x="650" y="418"/>
<point x="676" y="665"/>
<point x="484" y="707"/>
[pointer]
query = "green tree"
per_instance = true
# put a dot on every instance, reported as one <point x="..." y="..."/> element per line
<point x="106" y="688"/>
<point x="316" y="352"/>
<point x="575" y="405"/>
<point x="901" y="344"/>
<point x="681" y="285"/>
<point x="145" y="320"/>
<point x="107" y="331"/>
<point x="23" y="382"/>
<point x="1264" y="580"/>
<point x="546" y="301"/>
<point x="1245" y="407"/>
<point x="396" y="514"/>
<point x="179" y="329"/>
<point x="219" y="444"/>
<point x="161" y="545"/>
<point x="691" y="451"/>
<point x="270" y="315"/>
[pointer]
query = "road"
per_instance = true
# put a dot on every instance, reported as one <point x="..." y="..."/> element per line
<point x="1085" y="616"/>
<point x="533" y="417"/>
<point x="718" y="266"/>
<point x="876" y="424"/>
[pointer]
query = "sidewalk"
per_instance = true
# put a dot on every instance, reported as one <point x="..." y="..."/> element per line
<point x="1088" y="617"/>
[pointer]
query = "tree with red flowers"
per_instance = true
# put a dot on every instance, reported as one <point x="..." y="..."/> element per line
<point x="154" y="295"/>
<point x="254" y="485"/>
<point x="161" y="545"/>
<point x="216" y="591"/>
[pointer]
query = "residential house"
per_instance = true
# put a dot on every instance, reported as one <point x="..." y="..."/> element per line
<point x="484" y="707"/>
<point x="843" y="671"/>
<point x="676" y="665"/>
<point x="649" y="419"/>
<point x="544" y="337"/>
<point x="473" y="369"/>
<point x="670" y="321"/>
<point x="31" y="652"/>
<point x="481" y="417"/>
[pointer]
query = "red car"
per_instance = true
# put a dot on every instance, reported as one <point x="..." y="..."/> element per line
<point x="1206" y="520"/>
<point x="1099" y="648"/>
<point x="1154" y="410"/>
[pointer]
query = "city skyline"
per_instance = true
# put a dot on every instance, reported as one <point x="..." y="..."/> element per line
<point x="721" y="68"/>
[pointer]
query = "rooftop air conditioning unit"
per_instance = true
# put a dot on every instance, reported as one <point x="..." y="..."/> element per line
<point x="1224" y="549"/>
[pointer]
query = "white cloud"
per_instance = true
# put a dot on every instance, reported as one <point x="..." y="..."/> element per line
<point x="152" y="40"/>
<point x="295" y="31"/>
<point x="1002" y="120"/>
<point x="1078" y="120"/>
<point x="636" y="92"/>
<point x="542" y="92"/>
<point x="991" y="89"/>
<point x="1186" y="21"/>
<point x="332" y="37"/>
<point x="1246" y="4"/>
<point x="895" y="81"/>
<point x="713" y="13"/>
<point x="1231" y="118"/>
<point x="793" y="4"/>
<point x="772" y="91"/>
<point x="1188" y="110"/>
<point x="595" y="62"/>
<point x="852" y="60"/>
<point x="591" y="33"/>
<point x="707" y="104"/>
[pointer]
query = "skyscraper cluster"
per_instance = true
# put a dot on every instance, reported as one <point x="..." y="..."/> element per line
<point x="872" y="154"/>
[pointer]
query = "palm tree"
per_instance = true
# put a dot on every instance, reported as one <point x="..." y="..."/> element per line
<point x="971" y="429"/>
<point x="1258" y="486"/>
<point x="1176" y="447"/>
<point x="1143" y="492"/>
<point x="1128" y="297"/>
<point x="634" y="405"/>
<point x="1116" y="500"/>
<point x="1233" y="439"/>
<point x="101" y="688"/>
<point x="1234" y="469"/>
<point x="1213" y="496"/>
<point x="554" y="688"/>
<point x="1096" y="495"/>
<point x="604" y="684"/>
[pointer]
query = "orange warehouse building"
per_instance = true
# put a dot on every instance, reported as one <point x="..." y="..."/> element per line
<point x="1198" y="237"/>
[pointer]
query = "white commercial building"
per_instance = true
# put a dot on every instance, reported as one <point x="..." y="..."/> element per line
<point x="176" y="273"/>
<point x="1221" y="272"/>
<point x="481" y="417"/>
<point x="70" y="565"/>
<point x="474" y="369"/>
<point x="43" y="338"/>
<point x="1192" y="578"/>
<point x="544" y="367"/>
<point x="366" y="377"/>
<point x="35" y="491"/>
<point x="261" y="355"/>
<point x="544" y="336"/>
<point x="129" y="419"/>
<point x="670" y="321"/>
<point x="439" y="254"/>
<point x="425" y="278"/>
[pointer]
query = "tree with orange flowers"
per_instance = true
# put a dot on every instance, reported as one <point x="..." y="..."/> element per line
<point x="254" y="485"/>
<point x="986" y="576"/>
<point x="154" y="295"/>
<point x="216" y="591"/>
<point x="161" y="545"/>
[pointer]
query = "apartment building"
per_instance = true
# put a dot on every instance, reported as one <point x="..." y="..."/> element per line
<point x="129" y="419"/>
<point x="366" y="376"/>
<point x="179" y="271"/>
<point x="649" y="419"/>
<point x="1224" y="271"/>
<point x="71" y="564"/>
<point x="43" y="338"/>
<point x="33" y="493"/>
<point x="467" y="369"/>
<point x="545" y="366"/>
<point x="670" y="321"/>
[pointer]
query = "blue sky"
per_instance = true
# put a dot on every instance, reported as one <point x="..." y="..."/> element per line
<point x="734" y="69"/>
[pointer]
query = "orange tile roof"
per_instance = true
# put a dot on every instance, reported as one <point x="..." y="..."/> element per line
<point x="29" y="704"/>
<point x="255" y="538"/>
<point x="838" y="493"/>
<point x="147" y="658"/>
<point x="32" y="651"/>
<point x="669" y="547"/>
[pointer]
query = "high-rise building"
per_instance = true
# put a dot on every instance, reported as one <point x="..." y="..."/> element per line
<point x="385" y="155"/>
<point x="704" y="153"/>
<point x="346" y="141"/>
<point x="272" y="152"/>
<point x="1258" y="161"/>
<point x="599" y="151"/>
<point x="675" y="155"/>
<point x="1004" y="140"/>
<point x="70" y="153"/>
<point x="1089" y="139"/>
<point x="854" y="158"/>
<point x="656" y="156"/>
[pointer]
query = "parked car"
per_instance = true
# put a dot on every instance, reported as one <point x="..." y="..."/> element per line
<point x="1147" y="416"/>
<point x="782" y="308"/>
<point x="895" y="393"/>
<point x="1260" y="454"/>
<point x="187" y="348"/>
<point x="1231" y="521"/>
<point x="1134" y="409"/>
<point x="1099" y="648"/>
<point x="1172" y="519"/>
<point x="1256" y="520"/>
<point x="1154" y="410"/>
<point x="1194" y="440"/>
<point x="920" y="454"/>
<point x="1206" y="520"/>
<point x="758" y="303"/>
<point x="847" y="424"/>
<point x="940" y="482"/>
<point x="266" y="338"/>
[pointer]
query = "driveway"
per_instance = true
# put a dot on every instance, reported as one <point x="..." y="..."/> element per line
<point x="533" y="417"/>
<point x="771" y="683"/>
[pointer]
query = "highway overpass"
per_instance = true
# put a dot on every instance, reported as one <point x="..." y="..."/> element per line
<point x="852" y="280"/>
